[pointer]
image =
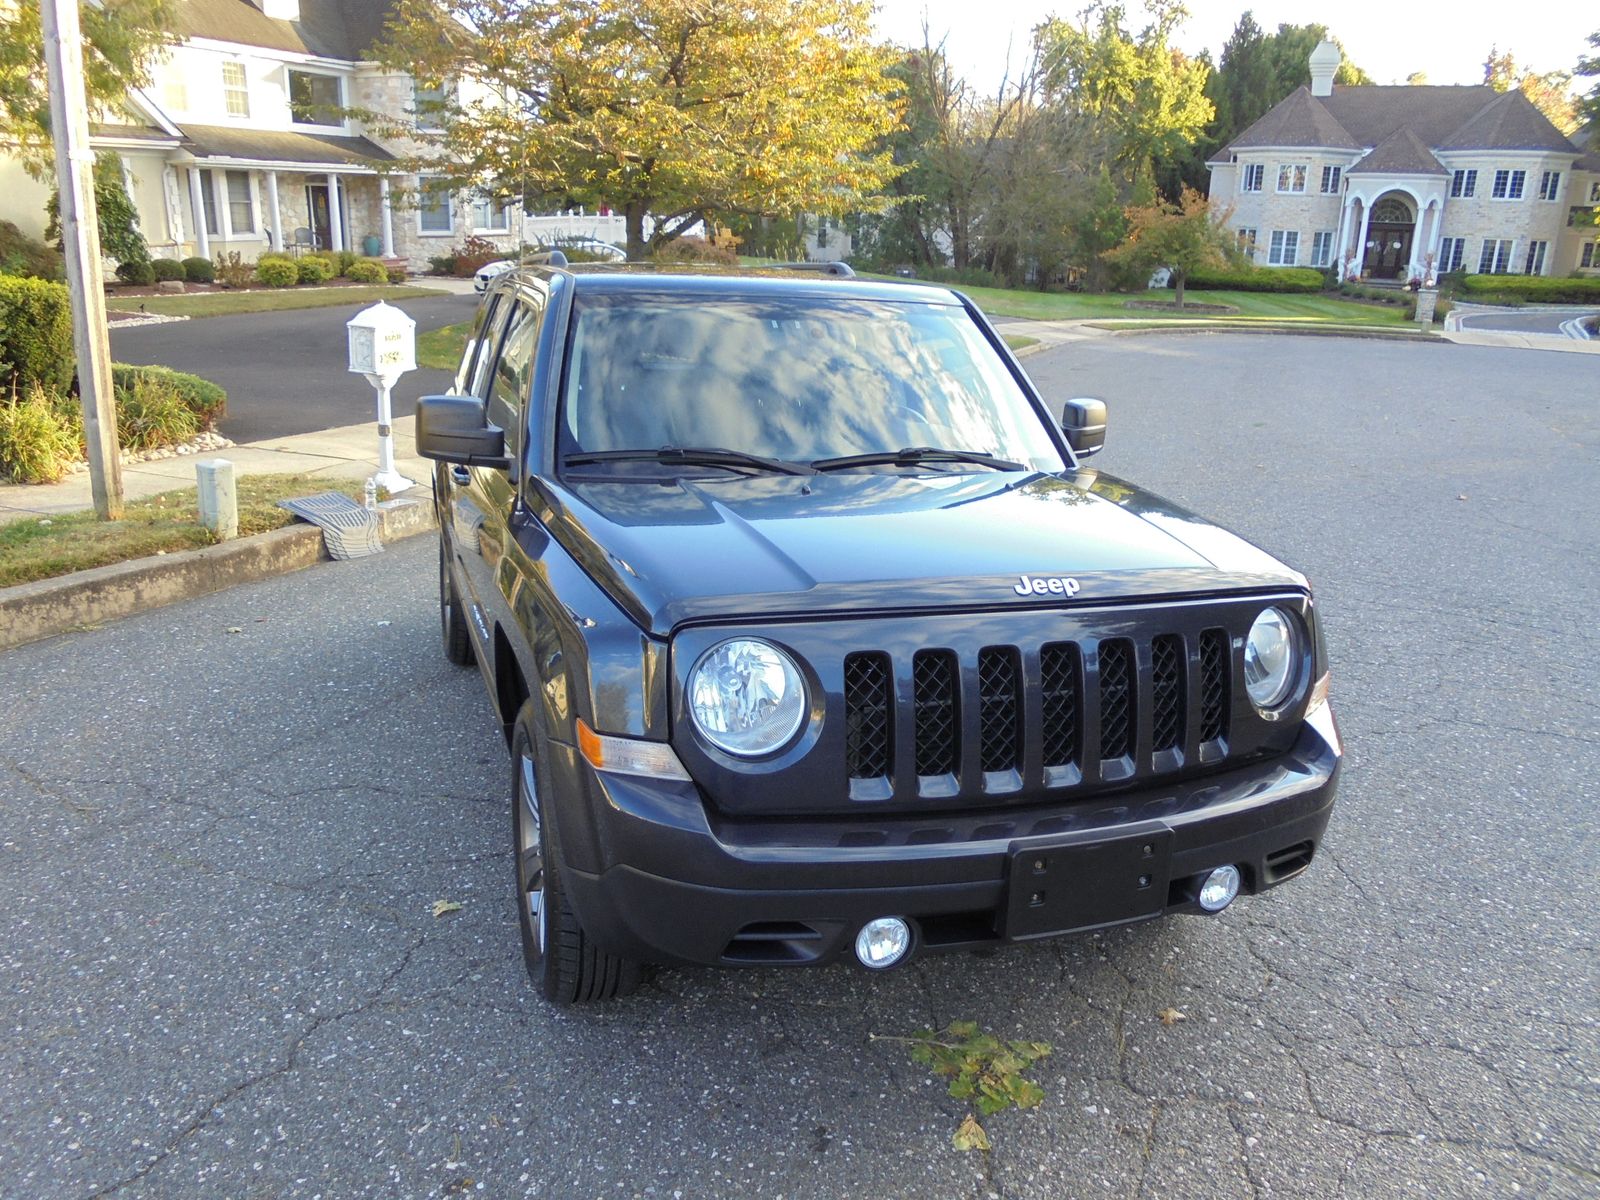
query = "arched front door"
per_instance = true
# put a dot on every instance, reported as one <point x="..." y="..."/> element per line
<point x="1389" y="235"/>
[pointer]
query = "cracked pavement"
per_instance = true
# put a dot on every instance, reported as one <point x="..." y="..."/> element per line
<point x="219" y="853"/>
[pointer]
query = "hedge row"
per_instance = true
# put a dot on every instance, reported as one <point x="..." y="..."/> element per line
<point x="35" y="334"/>
<point x="1539" y="289"/>
<point x="1258" y="279"/>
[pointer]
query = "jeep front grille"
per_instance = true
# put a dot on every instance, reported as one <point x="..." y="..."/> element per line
<point x="1092" y="711"/>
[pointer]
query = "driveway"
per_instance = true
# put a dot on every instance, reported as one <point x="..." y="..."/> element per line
<point x="226" y="822"/>
<point x="285" y="371"/>
<point x="1553" y="322"/>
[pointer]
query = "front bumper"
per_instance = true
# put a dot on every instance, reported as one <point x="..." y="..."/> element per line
<point x="654" y="875"/>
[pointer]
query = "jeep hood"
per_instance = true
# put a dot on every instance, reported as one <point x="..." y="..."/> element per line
<point x="771" y="546"/>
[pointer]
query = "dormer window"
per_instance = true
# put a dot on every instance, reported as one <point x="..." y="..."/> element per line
<point x="314" y="99"/>
<point x="235" y="89"/>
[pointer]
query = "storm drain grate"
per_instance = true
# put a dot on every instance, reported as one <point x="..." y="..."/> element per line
<point x="348" y="530"/>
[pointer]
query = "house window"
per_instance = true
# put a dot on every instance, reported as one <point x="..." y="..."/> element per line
<point x="241" y="205"/>
<point x="1451" y="252"/>
<point x="427" y="104"/>
<point x="1322" y="248"/>
<point x="1254" y="173"/>
<point x="490" y="216"/>
<point x="235" y="89"/>
<point x="1535" y="261"/>
<point x="1464" y="183"/>
<point x="314" y="99"/>
<point x="1285" y="247"/>
<point x="208" y="201"/>
<point x="1247" y="242"/>
<point x="1496" y="256"/>
<point x="1292" y="177"/>
<point x="1330" y="180"/>
<point x="1586" y="257"/>
<point x="1508" y="185"/>
<point x="434" y="213"/>
<point x="1549" y="185"/>
<point x="1594" y="193"/>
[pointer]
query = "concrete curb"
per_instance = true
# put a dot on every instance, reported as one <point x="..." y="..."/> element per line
<point x="1374" y="335"/>
<point x="32" y="611"/>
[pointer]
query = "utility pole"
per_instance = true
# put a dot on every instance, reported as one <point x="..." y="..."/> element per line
<point x="80" y="240"/>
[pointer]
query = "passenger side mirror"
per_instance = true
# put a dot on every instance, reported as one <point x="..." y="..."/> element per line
<point x="456" y="429"/>
<point x="1084" y="422"/>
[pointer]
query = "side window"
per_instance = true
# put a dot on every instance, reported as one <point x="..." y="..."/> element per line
<point x="488" y="344"/>
<point x="469" y="352"/>
<point x="509" y="387"/>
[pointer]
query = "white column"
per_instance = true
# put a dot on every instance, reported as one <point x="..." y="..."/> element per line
<point x="335" y="221"/>
<point x="1436" y="236"/>
<point x="1361" y="238"/>
<point x="388" y="216"/>
<point x="1339" y="237"/>
<point x="202" y="240"/>
<point x="272" y="210"/>
<point x="174" y="202"/>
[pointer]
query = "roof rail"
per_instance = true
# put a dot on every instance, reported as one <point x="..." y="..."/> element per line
<point x="547" y="258"/>
<point x="840" y="270"/>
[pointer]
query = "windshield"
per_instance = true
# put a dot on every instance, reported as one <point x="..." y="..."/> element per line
<point x="797" y="379"/>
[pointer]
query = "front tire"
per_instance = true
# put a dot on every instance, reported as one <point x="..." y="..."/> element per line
<point x="564" y="964"/>
<point x="452" y="625"/>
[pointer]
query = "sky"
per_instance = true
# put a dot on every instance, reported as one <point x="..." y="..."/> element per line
<point x="1389" y="39"/>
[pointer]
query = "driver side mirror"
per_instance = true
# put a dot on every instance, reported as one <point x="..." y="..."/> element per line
<point x="1084" y="423"/>
<point x="456" y="429"/>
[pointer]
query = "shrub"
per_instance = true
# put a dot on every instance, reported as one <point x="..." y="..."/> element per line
<point x="959" y="276"/>
<point x="695" y="250"/>
<point x="35" y="334"/>
<point x="368" y="270"/>
<point x="23" y="255"/>
<point x="1376" y="295"/>
<point x="1531" y="289"/>
<point x="1257" y="279"/>
<point x="137" y="273"/>
<point x="277" y="272"/>
<point x="151" y="413"/>
<point x="442" y="264"/>
<point x="313" y="269"/>
<point x="37" y="442"/>
<point x="199" y="270"/>
<point x="205" y="399"/>
<point x="233" y="271"/>
<point x="343" y="260"/>
<point x="473" y="254"/>
<point x="167" y="270"/>
<point x="396" y="274"/>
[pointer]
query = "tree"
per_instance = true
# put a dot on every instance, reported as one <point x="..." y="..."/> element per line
<point x="1548" y="92"/>
<point x="115" y="214"/>
<point x="675" y="108"/>
<point x="120" y="40"/>
<point x="1184" y="237"/>
<point x="1147" y="95"/>
<point x="1588" y="105"/>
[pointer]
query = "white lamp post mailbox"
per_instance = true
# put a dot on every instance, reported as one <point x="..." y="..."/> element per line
<point x="383" y="347"/>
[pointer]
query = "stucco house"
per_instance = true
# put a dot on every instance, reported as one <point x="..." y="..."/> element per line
<point x="1408" y="182"/>
<point x="241" y="144"/>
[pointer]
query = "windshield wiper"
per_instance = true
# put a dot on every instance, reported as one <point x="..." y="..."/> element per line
<point x="689" y="456"/>
<point x="910" y="456"/>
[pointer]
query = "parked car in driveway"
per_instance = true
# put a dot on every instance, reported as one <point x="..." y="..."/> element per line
<point x="813" y="635"/>
<point x="489" y="272"/>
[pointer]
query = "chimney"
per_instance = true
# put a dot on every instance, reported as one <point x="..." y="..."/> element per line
<point x="279" y="10"/>
<point x="1325" y="60"/>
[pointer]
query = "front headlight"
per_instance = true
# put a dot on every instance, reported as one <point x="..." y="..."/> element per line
<point x="1270" y="655"/>
<point x="746" y="697"/>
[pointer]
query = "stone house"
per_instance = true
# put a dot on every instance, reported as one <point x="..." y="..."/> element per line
<point x="241" y="142"/>
<point x="1408" y="182"/>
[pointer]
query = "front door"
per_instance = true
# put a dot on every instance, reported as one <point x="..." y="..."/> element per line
<point x="1388" y="252"/>
<point x="317" y="206"/>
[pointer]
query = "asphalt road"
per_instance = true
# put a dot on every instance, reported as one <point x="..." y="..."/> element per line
<point x="285" y="372"/>
<point x="1507" y="321"/>
<point x="220" y="850"/>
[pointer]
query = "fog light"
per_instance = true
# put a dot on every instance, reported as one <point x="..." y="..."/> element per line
<point x="883" y="942"/>
<point x="1219" y="889"/>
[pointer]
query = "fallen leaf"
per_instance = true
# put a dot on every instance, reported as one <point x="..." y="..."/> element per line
<point x="1171" y="1016"/>
<point x="1461" y="497"/>
<point x="970" y="1136"/>
<point x="234" y="629"/>
<point x="441" y="907"/>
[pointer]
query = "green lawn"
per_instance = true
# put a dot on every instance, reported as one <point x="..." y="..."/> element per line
<point x="41" y="548"/>
<point x="220" y="304"/>
<point x="441" y="348"/>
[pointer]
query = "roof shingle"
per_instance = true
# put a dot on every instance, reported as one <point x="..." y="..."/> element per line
<point x="265" y="145"/>
<point x="1401" y="153"/>
<point x="342" y="29"/>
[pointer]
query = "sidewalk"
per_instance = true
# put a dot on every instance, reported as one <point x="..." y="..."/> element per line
<point x="350" y="452"/>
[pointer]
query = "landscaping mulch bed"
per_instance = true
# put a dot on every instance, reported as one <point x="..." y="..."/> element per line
<point x="1189" y="307"/>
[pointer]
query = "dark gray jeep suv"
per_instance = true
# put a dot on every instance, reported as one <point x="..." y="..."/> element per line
<point x="812" y="636"/>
